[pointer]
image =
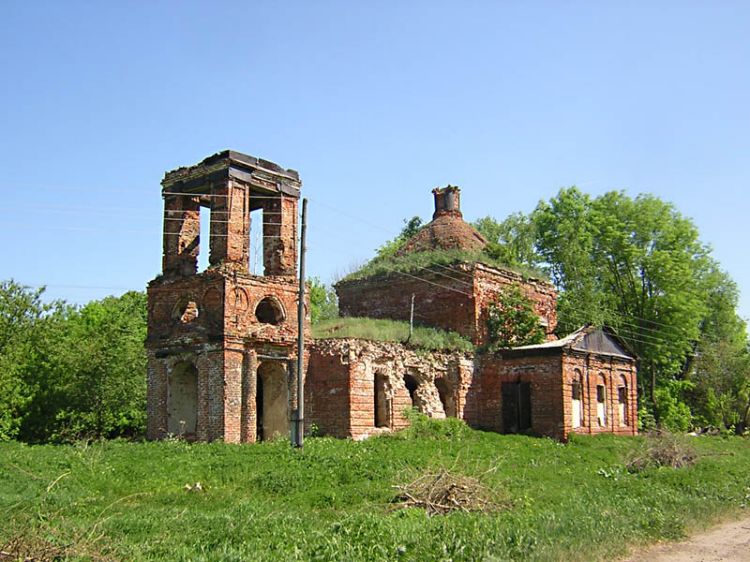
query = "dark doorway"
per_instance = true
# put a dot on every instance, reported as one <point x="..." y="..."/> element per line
<point x="516" y="407"/>
<point x="411" y="385"/>
<point x="272" y="401"/>
<point x="445" y="391"/>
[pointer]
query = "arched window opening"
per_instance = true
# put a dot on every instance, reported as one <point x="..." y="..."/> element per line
<point x="185" y="311"/>
<point x="382" y="410"/>
<point x="445" y="391"/>
<point x="182" y="401"/>
<point x="577" y="400"/>
<point x="622" y="401"/>
<point x="269" y="311"/>
<point x="601" y="402"/>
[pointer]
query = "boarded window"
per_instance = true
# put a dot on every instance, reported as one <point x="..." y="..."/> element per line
<point x="577" y="402"/>
<point x="516" y="407"/>
<point x="622" y="402"/>
<point x="601" y="405"/>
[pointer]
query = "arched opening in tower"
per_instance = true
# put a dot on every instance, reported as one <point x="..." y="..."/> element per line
<point x="182" y="401"/>
<point x="269" y="311"/>
<point x="272" y="401"/>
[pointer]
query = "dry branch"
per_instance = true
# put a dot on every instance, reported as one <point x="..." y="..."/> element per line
<point x="442" y="492"/>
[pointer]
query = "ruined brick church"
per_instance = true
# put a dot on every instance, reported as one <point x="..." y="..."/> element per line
<point x="222" y="347"/>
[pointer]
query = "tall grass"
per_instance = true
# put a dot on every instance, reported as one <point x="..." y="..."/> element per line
<point x="425" y="338"/>
<point x="334" y="500"/>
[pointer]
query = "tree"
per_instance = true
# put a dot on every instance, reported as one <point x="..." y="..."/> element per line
<point x="92" y="382"/>
<point x="323" y="301"/>
<point x="511" y="241"/>
<point x="25" y="324"/>
<point x="719" y="369"/>
<point x="411" y="227"/>
<point x="512" y="321"/>
<point x="636" y="264"/>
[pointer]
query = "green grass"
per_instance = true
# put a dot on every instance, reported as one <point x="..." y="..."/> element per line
<point x="417" y="262"/>
<point x="333" y="500"/>
<point x="391" y="330"/>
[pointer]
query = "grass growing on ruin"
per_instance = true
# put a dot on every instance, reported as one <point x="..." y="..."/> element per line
<point x="391" y="330"/>
<point x="337" y="499"/>
<point x="417" y="262"/>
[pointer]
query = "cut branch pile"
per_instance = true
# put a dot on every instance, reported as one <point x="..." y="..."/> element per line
<point x="442" y="492"/>
<point x="31" y="549"/>
<point x="662" y="449"/>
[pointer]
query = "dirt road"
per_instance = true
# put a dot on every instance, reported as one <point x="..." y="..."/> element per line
<point x="729" y="542"/>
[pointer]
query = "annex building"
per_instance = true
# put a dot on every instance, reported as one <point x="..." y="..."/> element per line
<point x="222" y="347"/>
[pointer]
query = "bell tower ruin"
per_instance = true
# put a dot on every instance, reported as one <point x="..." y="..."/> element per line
<point x="221" y="343"/>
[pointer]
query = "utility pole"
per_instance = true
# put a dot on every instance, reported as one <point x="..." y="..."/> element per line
<point x="298" y="433"/>
<point x="411" y="318"/>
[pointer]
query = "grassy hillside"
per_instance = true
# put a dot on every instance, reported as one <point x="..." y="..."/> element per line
<point x="335" y="499"/>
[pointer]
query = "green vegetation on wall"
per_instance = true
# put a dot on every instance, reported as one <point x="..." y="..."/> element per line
<point x="512" y="321"/>
<point x="392" y="331"/>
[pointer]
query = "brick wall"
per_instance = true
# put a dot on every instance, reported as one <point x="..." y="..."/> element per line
<point x="489" y="283"/>
<point x="327" y="392"/>
<point x="441" y="299"/>
<point x="223" y="323"/>
<point x="341" y="384"/>
<point x="454" y="299"/>
<point x="543" y="372"/>
<point x="590" y="367"/>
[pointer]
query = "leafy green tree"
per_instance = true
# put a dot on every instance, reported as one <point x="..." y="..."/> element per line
<point x="323" y="301"/>
<point x="512" y="241"/>
<point x="636" y="264"/>
<point x="720" y="367"/>
<point x="565" y="241"/>
<point x="411" y="227"/>
<point x="93" y="381"/>
<point x="21" y="309"/>
<point x="512" y="321"/>
<point x="670" y="407"/>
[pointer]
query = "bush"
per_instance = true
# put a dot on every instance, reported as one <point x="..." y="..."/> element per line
<point x="422" y="426"/>
<point x="671" y="412"/>
<point x="512" y="320"/>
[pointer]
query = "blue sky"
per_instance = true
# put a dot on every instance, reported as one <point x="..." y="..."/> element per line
<point x="375" y="103"/>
